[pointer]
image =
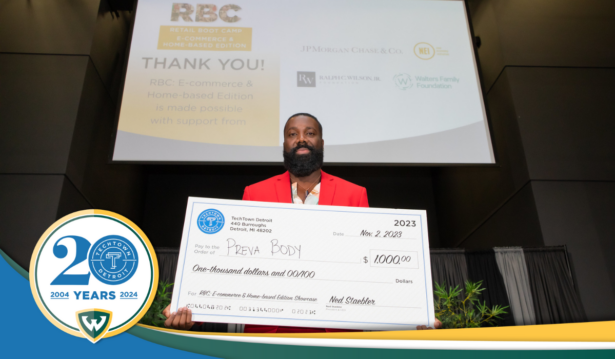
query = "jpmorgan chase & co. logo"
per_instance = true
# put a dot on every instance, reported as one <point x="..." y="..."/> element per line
<point x="210" y="221"/>
<point x="93" y="274"/>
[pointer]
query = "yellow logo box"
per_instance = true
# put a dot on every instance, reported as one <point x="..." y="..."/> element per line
<point x="205" y="38"/>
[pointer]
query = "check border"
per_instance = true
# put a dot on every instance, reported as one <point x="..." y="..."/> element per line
<point x="301" y="209"/>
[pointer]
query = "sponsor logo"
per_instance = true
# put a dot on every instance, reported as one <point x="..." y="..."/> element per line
<point x="210" y="221"/>
<point x="403" y="81"/>
<point x="353" y="50"/>
<point x="204" y="12"/>
<point x="346" y="79"/>
<point x="306" y="79"/>
<point x="93" y="274"/>
<point x="424" y="51"/>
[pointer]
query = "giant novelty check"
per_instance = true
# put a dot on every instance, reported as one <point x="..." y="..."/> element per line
<point x="308" y="266"/>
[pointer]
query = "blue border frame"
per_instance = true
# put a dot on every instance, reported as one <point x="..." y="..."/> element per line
<point x="303" y="209"/>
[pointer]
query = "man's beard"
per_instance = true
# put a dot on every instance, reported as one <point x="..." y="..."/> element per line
<point x="303" y="165"/>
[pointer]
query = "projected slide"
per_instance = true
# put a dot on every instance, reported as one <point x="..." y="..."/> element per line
<point x="392" y="81"/>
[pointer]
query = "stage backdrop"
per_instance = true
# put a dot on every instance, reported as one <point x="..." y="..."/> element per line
<point x="391" y="81"/>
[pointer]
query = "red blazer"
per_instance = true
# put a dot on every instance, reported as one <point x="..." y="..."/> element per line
<point x="334" y="191"/>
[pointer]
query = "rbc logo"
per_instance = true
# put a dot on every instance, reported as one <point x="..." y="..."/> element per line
<point x="204" y="12"/>
<point x="210" y="221"/>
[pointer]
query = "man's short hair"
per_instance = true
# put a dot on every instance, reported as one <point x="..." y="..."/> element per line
<point x="308" y="115"/>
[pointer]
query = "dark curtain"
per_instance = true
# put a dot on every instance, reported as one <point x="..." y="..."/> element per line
<point x="449" y="267"/>
<point x="167" y="263"/>
<point x="483" y="266"/>
<point x="555" y="298"/>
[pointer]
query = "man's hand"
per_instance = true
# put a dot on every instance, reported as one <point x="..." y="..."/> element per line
<point x="438" y="325"/>
<point x="182" y="319"/>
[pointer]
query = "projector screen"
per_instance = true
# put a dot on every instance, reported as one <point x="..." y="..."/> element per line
<point x="391" y="81"/>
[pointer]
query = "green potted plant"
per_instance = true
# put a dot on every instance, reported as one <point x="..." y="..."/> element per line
<point x="154" y="315"/>
<point x="464" y="310"/>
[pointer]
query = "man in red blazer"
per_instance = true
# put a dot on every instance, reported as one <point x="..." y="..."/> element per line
<point x="334" y="191"/>
<point x="303" y="183"/>
<point x="303" y="158"/>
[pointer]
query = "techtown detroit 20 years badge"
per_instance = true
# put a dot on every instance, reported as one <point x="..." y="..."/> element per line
<point x="93" y="274"/>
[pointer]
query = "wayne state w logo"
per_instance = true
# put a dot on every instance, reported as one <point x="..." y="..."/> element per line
<point x="93" y="259"/>
<point x="94" y="323"/>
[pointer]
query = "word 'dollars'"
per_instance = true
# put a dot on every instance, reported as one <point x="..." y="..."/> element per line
<point x="204" y="12"/>
<point x="201" y="64"/>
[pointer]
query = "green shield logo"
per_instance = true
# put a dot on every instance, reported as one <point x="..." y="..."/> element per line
<point x="94" y="323"/>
